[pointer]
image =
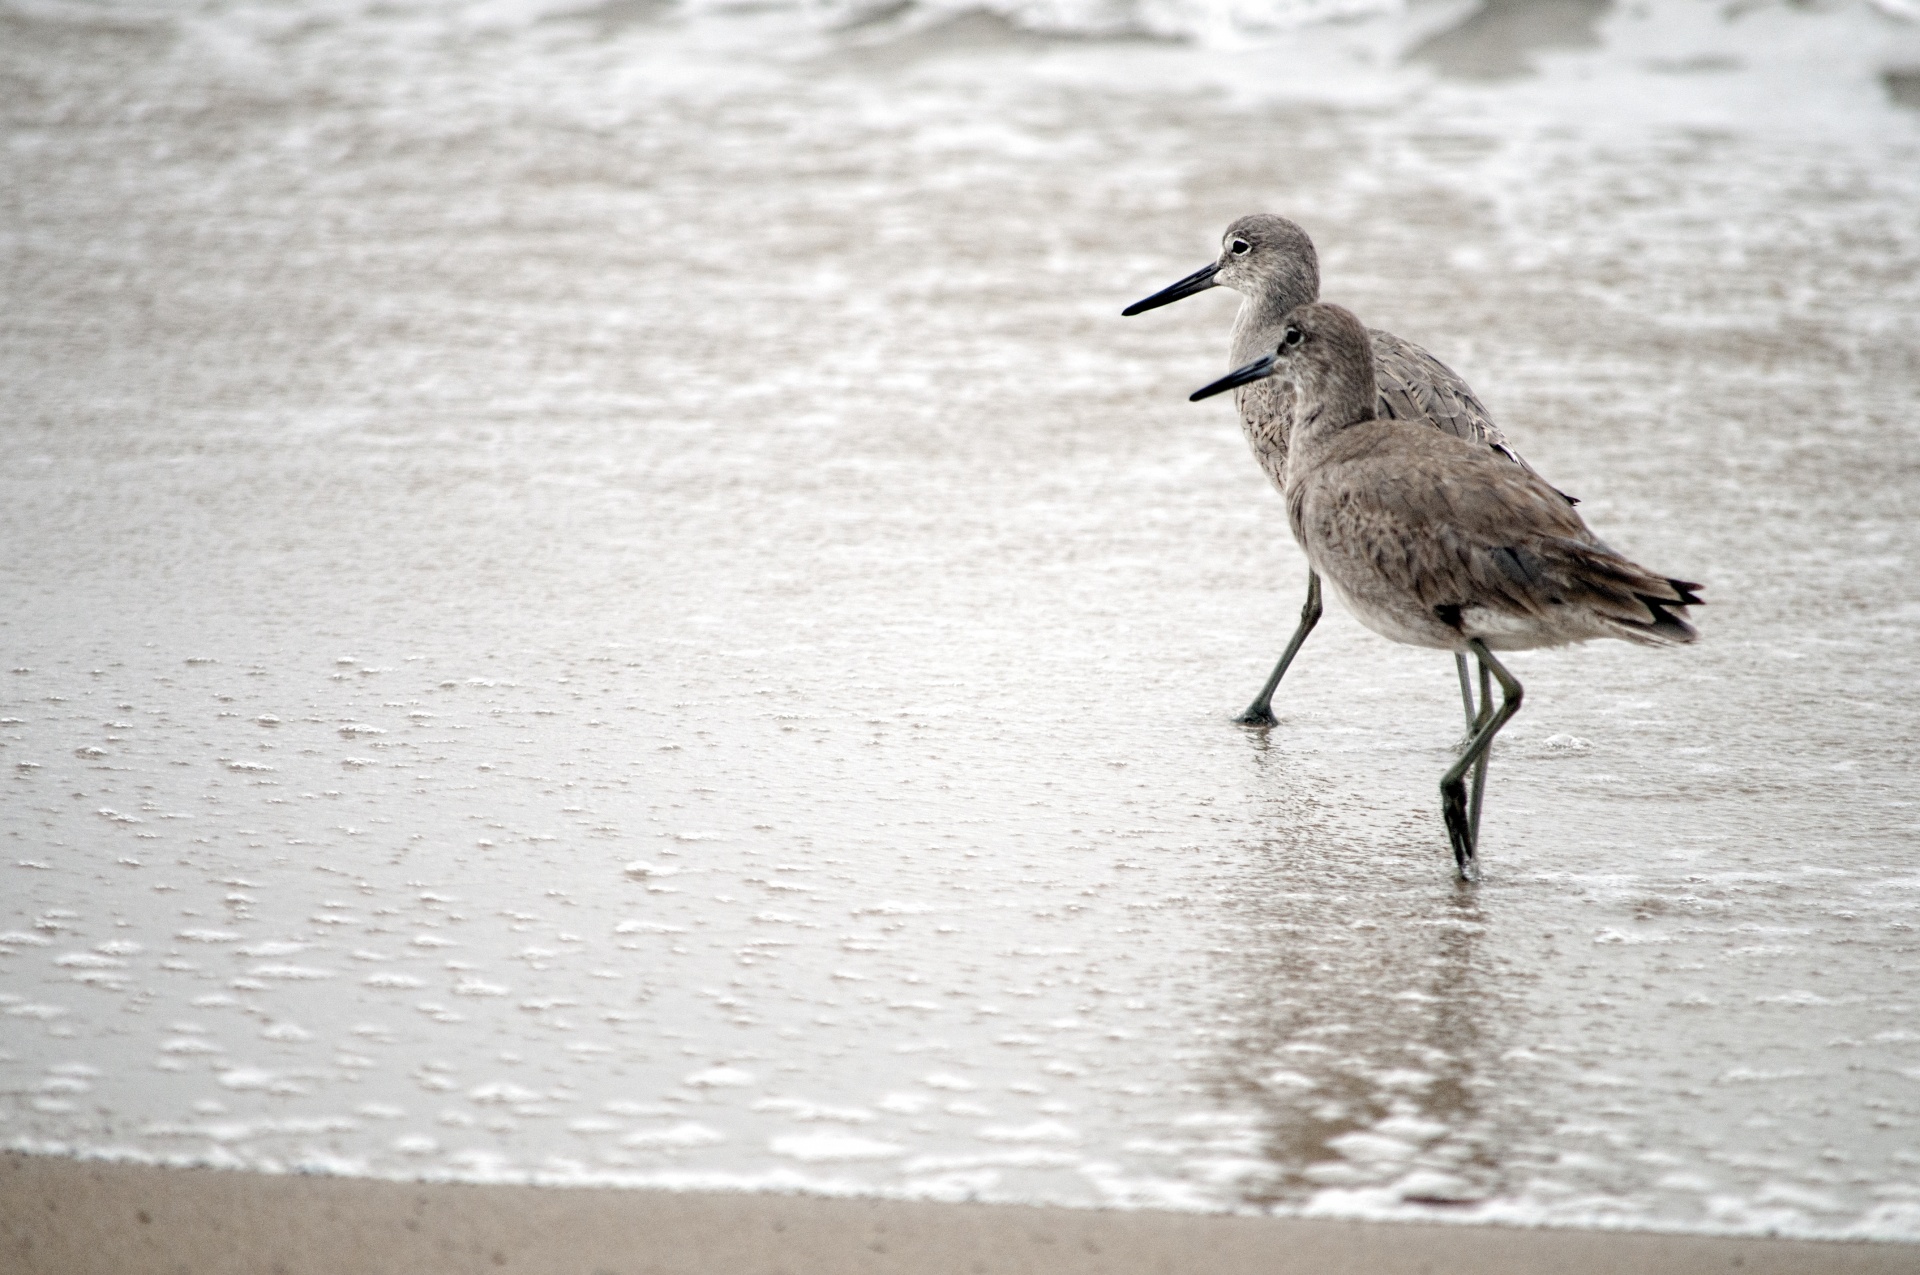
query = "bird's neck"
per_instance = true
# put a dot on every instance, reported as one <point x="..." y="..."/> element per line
<point x="1328" y="403"/>
<point x="1262" y="317"/>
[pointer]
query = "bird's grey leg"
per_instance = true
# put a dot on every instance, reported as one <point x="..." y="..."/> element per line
<point x="1466" y="695"/>
<point x="1453" y="790"/>
<point x="1260" y="712"/>
<point x="1480" y="767"/>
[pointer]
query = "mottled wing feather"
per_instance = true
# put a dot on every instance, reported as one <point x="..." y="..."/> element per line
<point x="1415" y="385"/>
<point x="1467" y="529"/>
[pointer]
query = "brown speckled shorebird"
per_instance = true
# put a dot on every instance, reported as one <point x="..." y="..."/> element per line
<point x="1436" y="541"/>
<point x="1270" y="261"/>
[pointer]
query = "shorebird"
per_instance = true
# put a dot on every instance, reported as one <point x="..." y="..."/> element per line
<point x="1270" y="261"/>
<point x="1434" y="541"/>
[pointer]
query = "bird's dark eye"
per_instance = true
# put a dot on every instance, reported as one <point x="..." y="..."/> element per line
<point x="1293" y="337"/>
<point x="1239" y="247"/>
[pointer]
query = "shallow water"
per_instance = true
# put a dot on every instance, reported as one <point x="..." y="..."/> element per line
<point x="604" y="597"/>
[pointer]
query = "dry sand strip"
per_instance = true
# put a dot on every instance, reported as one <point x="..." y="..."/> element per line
<point x="70" y="1217"/>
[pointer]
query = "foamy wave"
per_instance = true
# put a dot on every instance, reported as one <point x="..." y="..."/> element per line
<point x="1164" y="19"/>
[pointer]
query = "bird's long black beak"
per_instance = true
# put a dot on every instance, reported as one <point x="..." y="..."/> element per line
<point x="1199" y="281"/>
<point x="1260" y="367"/>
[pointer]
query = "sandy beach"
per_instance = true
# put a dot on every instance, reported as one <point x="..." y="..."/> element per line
<point x="602" y="613"/>
<point x="61" y="1217"/>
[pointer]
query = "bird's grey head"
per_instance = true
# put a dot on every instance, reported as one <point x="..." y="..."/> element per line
<point x="1267" y="256"/>
<point x="1261" y="256"/>
<point x="1325" y="354"/>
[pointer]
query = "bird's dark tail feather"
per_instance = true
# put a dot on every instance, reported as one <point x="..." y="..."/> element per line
<point x="1669" y="616"/>
<point x="1667" y="626"/>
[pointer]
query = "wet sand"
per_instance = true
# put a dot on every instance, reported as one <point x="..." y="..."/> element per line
<point x="68" y="1217"/>
<point x="600" y="607"/>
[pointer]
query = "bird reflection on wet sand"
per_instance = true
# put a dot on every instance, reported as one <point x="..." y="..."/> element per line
<point x="1361" y="1034"/>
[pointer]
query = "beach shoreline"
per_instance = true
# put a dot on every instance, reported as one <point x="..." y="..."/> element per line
<point x="605" y="598"/>
<point x="61" y="1216"/>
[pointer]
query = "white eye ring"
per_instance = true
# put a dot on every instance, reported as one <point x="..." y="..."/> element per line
<point x="1293" y="337"/>
<point x="1239" y="247"/>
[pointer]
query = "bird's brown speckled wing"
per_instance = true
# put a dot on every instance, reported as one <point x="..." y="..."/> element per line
<point x="1455" y="527"/>
<point x="1416" y="386"/>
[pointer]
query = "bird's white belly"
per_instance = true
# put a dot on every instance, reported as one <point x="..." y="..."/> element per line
<point x="1507" y="632"/>
<point x="1396" y="623"/>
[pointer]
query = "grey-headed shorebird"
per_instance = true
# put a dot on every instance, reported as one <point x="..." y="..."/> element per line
<point x="1435" y="541"/>
<point x="1271" y="262"/>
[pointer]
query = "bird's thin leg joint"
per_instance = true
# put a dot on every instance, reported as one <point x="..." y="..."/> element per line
<point x="1466" y="696"/>
<point x="1486" y="755"/>
<point x="1462" y="829"/>
<point x="1260" y="712"/>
